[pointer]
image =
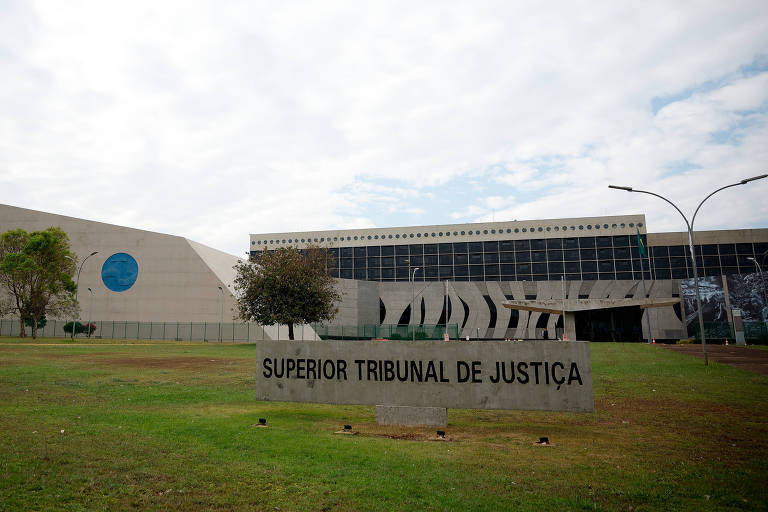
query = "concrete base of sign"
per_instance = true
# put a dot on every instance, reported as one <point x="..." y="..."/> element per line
<point x="401" y="415"/>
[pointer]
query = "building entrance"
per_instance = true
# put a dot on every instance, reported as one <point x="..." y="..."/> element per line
<point x="610" y="324"/>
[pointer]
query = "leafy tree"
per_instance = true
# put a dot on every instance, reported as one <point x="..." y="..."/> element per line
<point x="286" y="286"/>
<point x="36" y="272"/>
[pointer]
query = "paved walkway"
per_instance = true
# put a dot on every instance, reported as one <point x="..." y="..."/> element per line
<point x="753" y="359"/>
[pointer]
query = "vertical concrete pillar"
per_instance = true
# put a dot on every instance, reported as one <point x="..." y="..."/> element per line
<point x="570" y="325"/>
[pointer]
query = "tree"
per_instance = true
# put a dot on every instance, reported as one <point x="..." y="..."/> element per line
<point x="286" y="286"/>
<point x="36" y="271"/>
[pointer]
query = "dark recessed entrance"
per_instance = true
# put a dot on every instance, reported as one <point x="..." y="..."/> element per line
<point x="610" y="324"/>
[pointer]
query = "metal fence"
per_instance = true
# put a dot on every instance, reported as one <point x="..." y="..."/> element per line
<point x="169" y="331"/>
<point x="233" y="332"/>
<point x="755" y="332"/>
<point x="387" y="332"/>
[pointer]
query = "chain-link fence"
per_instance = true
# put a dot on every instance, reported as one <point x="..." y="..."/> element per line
<point x="387" y="332"/>
<point x="233" y="332"/>
<point x="168" y="331"/>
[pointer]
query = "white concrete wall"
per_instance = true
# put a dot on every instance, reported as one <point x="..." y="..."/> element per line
<point x="178" y="279"/>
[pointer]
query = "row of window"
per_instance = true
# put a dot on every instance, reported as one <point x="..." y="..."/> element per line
<point x="474" y="274"/>
<point x="436" y="234"/>
<point x="585" y="243"/>
<point x="589" y="261"/>
<point x="493" y="257"/>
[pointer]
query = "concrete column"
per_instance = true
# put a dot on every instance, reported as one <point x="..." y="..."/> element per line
<point x="570" y="325"/>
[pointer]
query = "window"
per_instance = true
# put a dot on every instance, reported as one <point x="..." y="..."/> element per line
<point x="570" y="243"/>
<point x="555" y="243"/>
<point x="509" y="257"/>
<point x="605" y="254"/>
<point x="522" y="245"/>
<point x="605" y="266"/>
<point x="554" y="255"/>
<point x="555" y="267"/>
<point x="523" y="257"/>
<point x="604" y="241"/>
<point x="621" y="241"/>
<point x="571" y="255"/>
<point x="677" y="250"/>
<point x="621" y="253"/>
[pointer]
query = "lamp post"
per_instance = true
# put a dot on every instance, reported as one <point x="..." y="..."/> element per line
<point x="690" y="244"/>
<point x="77" y="285"/>
<point x="221" y="313"/>
<point x="413" y="315"/>
<point x="90" y="309"/>
<point x="765" y="295"/>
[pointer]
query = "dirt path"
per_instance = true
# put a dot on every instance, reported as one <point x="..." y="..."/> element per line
<point x="746" y="358"/>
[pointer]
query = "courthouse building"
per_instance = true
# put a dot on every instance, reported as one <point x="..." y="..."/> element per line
<point x="514" y="279"/>
<point x="493" y="280"/>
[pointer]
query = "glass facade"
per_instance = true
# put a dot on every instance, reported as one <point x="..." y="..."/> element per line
<point x="586" y="258"/>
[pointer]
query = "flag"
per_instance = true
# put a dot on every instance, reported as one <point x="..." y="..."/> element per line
<point x="640" y="245"/>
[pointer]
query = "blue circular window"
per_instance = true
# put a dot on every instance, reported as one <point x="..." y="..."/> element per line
<point x="119" y="272"/>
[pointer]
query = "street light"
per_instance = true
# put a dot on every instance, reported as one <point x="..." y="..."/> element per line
<point x="690" y="244"/>
<point x="221" y="315"/>
<point x="413" y="315"/>
<point x="765" y="295"/>
<point x="90" y="309"/>
<point x="77" y="284"/>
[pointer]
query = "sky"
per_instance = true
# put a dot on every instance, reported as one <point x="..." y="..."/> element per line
<point x="214" y="120"/>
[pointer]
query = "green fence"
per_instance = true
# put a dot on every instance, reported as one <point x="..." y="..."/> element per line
<point x="755" y="332"/>
<point x="169" y="331"/>
<point x="387" y="332"/>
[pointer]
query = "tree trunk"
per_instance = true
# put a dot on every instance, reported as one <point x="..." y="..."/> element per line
<point x="22" y="330"/>
<point x="290" y="331"/>
<point x="34" y="329"/>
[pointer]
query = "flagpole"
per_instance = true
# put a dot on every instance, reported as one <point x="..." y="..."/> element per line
<point x="642" y="250"/>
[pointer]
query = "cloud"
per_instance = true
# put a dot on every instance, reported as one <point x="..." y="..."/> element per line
<point x="214" y="121"/>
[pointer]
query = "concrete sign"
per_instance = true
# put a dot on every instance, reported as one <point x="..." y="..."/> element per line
<point x="532" y="375"/>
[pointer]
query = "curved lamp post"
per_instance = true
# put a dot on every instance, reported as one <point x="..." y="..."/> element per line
<point x="77" y="285"/>
<point x="690" y="244"/>
<point x="90" y="309"/>
<point x="413" y="315"/>
<point x="765" y="296"/>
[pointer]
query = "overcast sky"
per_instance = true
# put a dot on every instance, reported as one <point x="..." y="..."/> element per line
<point x="213" y="120"/>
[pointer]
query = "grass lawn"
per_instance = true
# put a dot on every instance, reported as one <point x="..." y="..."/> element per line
<point x="171" y="427"/>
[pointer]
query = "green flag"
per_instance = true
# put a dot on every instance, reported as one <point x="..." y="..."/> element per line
<point x="640" y="245"/>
